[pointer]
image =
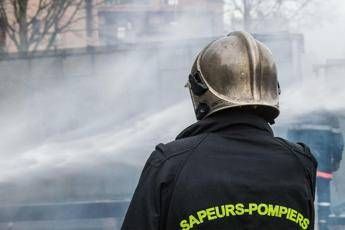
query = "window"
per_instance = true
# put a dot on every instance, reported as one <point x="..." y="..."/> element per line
<point x="118" y="2"/>
<point x="2" y="34"/>
<point x="172" y="2"/>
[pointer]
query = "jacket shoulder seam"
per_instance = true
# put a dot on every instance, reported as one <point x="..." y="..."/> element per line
<point x="291" y="149"/>
<point x="177" y="153"/>
<point x="181" y="167"/>
<point x="188" y="149"/>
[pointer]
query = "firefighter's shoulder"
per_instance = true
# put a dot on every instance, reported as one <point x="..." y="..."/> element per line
<point x="298" y="148"/>
<point x="175" y="149"/>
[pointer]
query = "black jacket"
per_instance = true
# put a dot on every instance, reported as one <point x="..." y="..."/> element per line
<point x="226" y="172"/>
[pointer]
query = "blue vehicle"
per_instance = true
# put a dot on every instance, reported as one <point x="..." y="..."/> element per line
<point x="320" y="130"/>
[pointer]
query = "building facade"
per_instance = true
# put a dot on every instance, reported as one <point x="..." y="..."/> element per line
<point x="159" y="19"/>
<point x="130" y="21"/>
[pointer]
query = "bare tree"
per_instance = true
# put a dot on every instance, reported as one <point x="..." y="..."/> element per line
<point x="252" y="15"/>
<point x="30" y="24"/>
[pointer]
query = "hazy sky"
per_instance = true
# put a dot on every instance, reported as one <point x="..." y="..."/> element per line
<point x="325" y="35"/>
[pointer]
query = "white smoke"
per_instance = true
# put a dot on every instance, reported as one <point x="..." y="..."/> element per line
<point x="86" y="125"/>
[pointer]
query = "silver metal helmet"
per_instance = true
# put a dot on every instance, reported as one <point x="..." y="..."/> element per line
<point x="235" y="71"/>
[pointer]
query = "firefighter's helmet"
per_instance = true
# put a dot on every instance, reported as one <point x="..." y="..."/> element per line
<point x="235" y="71"/>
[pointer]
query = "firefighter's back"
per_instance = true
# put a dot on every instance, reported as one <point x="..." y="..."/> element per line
<point x="227" y="171"/>
<point x="241" y="177"/>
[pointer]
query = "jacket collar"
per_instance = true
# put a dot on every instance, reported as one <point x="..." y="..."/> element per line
<point x="226" y="121"/>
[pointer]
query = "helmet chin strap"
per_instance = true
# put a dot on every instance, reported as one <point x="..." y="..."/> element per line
<point x="202" y="110"/>
<point x="197" y="86"/>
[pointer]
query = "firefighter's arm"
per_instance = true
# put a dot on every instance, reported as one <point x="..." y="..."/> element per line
<point x="143" y="212"/>
<point x="310" y="166"/>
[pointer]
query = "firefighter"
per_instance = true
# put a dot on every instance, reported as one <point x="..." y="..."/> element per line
<point x="320" y="130"/>
<point x="228" y="171"/>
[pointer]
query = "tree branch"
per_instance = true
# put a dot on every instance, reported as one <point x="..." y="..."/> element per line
<point x="303" y="5"/>
<point x="238" y="7"/>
